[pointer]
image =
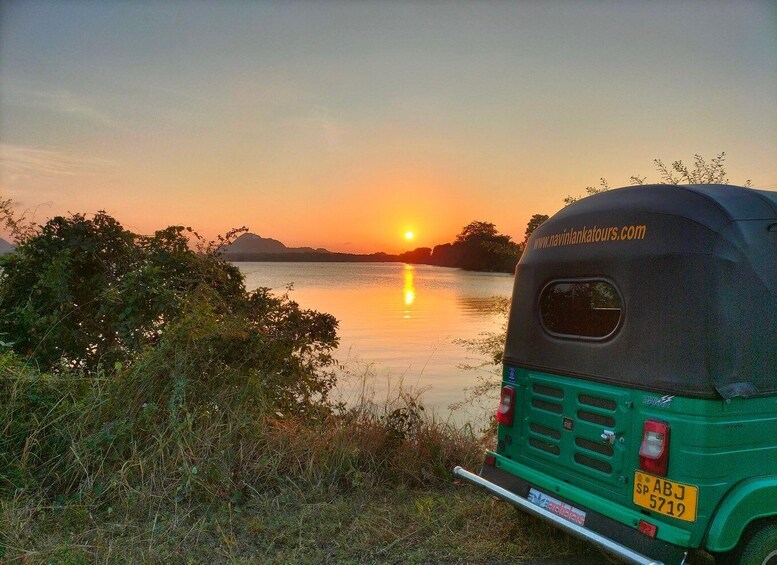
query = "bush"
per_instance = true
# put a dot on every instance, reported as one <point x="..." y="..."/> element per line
<point x="138" y="365"/>
<point x="87" y="295"/>
<point x="126" y="357"/>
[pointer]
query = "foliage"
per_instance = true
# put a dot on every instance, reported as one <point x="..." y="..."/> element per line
<point x="85" y="293"/>
<point x="87" y="465"/>
<point x="702" y="172"/>
<point x="477" y="231"/>
<point x="589" y="191"/>
<point x="20" y="227"/>
<point x="135" y="352"/>
<point x="478" y="247"/>
<point x="180" y="425"/>
<point x="489" y="346"/>
<point x="200" y="390"/>
<point x="421" y="255"/>
<point x="536" y="221"/>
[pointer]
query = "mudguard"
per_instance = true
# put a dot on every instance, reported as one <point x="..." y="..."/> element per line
<point x="748" y="501"/>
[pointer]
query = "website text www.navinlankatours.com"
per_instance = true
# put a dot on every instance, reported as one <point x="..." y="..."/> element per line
<point x="591" y="235"/>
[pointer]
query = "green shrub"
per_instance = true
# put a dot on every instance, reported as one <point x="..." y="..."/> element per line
<point x="139" y="368"/>
<point x="86" y="294"/>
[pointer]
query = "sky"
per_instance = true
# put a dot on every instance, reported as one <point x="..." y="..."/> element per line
<point x="346" y="124"/>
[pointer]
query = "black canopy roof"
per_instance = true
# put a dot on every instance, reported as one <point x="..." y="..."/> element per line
<point x="696" y="270"/>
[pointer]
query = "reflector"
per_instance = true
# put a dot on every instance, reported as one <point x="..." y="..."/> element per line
<point x="647" y="528"/>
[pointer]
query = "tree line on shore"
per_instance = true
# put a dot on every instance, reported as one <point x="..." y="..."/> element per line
<point x="478" y="247"/>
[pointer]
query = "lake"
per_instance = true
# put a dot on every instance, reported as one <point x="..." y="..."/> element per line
<point x="397" y="321"/>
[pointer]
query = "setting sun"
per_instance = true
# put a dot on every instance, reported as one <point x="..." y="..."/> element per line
<point x="409" y="235"/>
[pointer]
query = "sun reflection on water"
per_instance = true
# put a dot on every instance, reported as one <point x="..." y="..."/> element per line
<point x="409" y="289"/>
<point x="402" y="320"/>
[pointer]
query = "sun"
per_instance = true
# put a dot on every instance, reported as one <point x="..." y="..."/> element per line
<point x="409" y="235"/>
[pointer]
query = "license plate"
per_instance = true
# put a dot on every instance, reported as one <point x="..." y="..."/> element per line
<point x="555" y="506"/>
<point x="676" y="500"/>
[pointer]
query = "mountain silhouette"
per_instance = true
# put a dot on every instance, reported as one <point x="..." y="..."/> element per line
<point x="252" y="243"/>
<point x="5" y="247"/>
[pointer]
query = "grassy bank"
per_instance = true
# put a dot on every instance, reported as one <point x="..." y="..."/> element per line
<point x="82" y="482"/>
<point x="295" y="525"/>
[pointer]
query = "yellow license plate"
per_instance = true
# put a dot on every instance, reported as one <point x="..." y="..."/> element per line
<point x="666" y="497"/>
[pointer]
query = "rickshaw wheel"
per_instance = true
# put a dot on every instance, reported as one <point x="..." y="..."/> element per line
<point x="760" y="548"/>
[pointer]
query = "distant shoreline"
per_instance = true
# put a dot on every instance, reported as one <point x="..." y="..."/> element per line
<point x="314" y="257"/>
<point x="336" y="258"/>
<point x="478" y="248"/>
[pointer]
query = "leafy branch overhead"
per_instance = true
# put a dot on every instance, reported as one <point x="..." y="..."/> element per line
<point x="20" y="227"/>
<point x="701" y="172"/>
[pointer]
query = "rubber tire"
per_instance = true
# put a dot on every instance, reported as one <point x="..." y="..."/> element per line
<point x="760" y="548"/>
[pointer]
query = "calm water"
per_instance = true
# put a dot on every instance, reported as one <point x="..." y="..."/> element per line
<point x="399" y="319"/>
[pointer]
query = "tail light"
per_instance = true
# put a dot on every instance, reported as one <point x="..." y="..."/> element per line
<point x="654" y="451"/>
<point x="504" y="414"/>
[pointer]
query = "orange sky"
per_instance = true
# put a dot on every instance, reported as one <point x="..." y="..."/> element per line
<point x="344" y="125"/>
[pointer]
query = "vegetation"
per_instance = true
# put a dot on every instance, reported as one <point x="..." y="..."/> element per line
<point x="701" y="172"/>
<point x="87" y="476"/>
<point x="87" y="295"/>
<point x="151" y="409"/>
<point x="478" y="247"/>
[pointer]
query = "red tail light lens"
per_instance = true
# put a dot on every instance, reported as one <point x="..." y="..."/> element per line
<point x="504" y="414"/>
<point x="654" y="451"/>
<point x="648" y="529"/>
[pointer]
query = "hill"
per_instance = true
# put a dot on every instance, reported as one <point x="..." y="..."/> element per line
<point x="5" y="247"/>
<point x="250" y="243"/>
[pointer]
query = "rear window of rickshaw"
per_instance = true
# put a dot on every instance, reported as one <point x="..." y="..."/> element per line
<point x="580" y="309"/>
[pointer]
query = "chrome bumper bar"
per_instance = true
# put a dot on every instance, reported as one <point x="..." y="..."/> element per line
<point x="576" y="530"/>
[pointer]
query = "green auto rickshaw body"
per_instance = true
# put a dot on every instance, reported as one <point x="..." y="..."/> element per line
<point x="643" y="315"/>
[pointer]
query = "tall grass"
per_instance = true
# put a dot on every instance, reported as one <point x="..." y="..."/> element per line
<point x="65" y="436"/>
<point x="135" y="436"/>
<point x="94" y="470"/>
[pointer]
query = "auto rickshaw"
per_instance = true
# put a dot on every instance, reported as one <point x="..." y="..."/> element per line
<point x="638" y="407"/>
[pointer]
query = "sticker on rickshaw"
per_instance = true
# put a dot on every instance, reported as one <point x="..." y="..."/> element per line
<point x="555" y="506"/>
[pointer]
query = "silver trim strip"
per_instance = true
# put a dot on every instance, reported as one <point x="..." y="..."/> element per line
<point x="574" y="529"/>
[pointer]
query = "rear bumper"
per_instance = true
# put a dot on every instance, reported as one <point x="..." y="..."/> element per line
<point x="616" y="538"/>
